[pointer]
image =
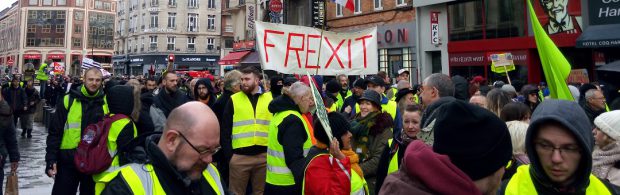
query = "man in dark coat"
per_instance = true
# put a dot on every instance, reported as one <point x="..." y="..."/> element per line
<point x="27" y="117"/>
<point x="8" y="142"/>
<point x="16" y="97"/>
<point x="168" y="98"/>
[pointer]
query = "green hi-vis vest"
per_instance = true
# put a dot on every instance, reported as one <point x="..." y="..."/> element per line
<point x="41" y="74"/>
<point x="73" y="127"/>
<point x="250" y="127"/>
<point x="392" y="93"/>
<point x="143" y="181"/>
<point x="389" y="107"/>
<point x="277" y="172"/>
<point x="393" y="166"/>
<point x="106" y="176"/>
<point x="521" y="183"/>
<point x="358" y="183"/>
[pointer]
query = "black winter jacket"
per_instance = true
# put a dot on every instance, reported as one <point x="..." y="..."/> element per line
<point x="17" y="99"/>
<point x="8" y="140"/>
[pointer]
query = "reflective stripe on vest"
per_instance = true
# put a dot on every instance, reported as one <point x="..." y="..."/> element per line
<point x="277" y="172"/>
<point x="393" y="166"/>
<point x="73" y="127"/>
<point x="250" y="127"/>
<point x="143" y="181"/>
<point x="115" y="131"/>
<point x="521" y="183"/>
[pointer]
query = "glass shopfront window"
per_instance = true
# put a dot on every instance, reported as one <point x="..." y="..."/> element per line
<point x="392" y="60"/>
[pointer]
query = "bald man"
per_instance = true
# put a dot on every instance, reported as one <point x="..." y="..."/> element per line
<point x="179" y="158"/>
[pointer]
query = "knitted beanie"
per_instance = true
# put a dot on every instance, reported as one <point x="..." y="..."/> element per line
<point x="609" y="122"/>
<point x="337" y="122"/>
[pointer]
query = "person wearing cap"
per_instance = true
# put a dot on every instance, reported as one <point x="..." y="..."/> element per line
<point x="371" y="131"/>
<point x="532" y="97"/>
<point x="606" y="155"/>
<point x="289" y="140"/>
<point x="459" y="162"/>
<point x="403" y="75"/>
<point x="475" y="83"/>
<point x="377" y="84"/>
<point x="392" y="156"/>
<point x="559" y="145"/>
<point x="350" y="102"/>
<point x="333" y="169"/>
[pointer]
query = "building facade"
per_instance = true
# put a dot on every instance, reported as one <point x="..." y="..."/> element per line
<point x="9" y="38"/>
<point x="64" y="31"/>
<point x="149" y="30"/>
<point x="396" y="28"/>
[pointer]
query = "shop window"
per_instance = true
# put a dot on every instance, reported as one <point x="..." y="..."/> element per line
<point x="465" y="20"/>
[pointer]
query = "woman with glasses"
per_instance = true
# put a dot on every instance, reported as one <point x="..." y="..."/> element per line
<point x="606" y="155"/>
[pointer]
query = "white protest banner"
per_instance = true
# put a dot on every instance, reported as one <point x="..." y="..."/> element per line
<point x="295" y="50"/>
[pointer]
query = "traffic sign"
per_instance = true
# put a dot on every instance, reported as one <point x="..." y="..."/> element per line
<point x="275" y="6"/>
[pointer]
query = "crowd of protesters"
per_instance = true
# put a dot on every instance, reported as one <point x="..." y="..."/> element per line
<point x="245" y="133"/>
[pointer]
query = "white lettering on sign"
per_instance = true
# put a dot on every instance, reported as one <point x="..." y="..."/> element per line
<point x="190" y="59"/>
<point x="608" y="12"/>
<point x="210" y="60"/>
<point x="137" y="60"/>
<point x="435" y="28"/>
<point x="611" y="1"/>
<point x="158" y="30"/>
<point x="293" y="49"/>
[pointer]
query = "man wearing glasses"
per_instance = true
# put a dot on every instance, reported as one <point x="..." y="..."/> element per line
<point x="559" y="144"/>
<point x="179" y="158"/>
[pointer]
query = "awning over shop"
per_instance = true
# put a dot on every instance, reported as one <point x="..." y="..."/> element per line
<point x="597" y="36"/>
<point x="252" y="58"/>
<point x="233" y="58"/>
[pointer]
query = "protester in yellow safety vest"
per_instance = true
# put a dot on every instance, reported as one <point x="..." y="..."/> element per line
<point x="76" y="111"/>
<point x="392" y="156"/>
<point x="333" y="170"/>
<point x="179" y="159"/>
<point x="245" y="125"/>
<point x="123" y="100"/>
<point x="289" y="140"/>
<point x="459" y="162"/>
<point x="371" y="130"/>
<point x="42" y="76"/>
<point x="559" y="144"/>
<point x="402" y="82"/>
<point x="344" y="86"/>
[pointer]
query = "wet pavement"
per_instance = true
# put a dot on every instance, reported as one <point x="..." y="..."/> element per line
<point x="31" y="177"/>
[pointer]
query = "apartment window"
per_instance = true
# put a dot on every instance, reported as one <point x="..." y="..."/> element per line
<point x="60" y="28"/>
<point x="98" y="4"/>
<point x="172" y="20"/>
<point x="30" y="42"/>
<point x="172" y="2"/>
<point x="191" y="43"/>
<point x="154" y="20"/>
<point x="338" y="10"/>
<point x="61" y="2"/>
<point x="101" y="31"/>
<point x="60" y="42"/>
<point x="154" y="2"/>
<point x="46" y="14"/>
<point x="466" y="21"/>
<point x="107" y="6"/>
<point x="400" y="2"/>
<point x="153" y="41"/>
<point x="170" y="44"/>
<point x="211" y="22"/>
<point x="32" y="28"/>
<point x="142" y="46"/>
<point x="77" y="42"/>
<point x="211" y="4"/>
<point x="79" y="15"/>
<point x="77" y="28"/>
<point x="33" y="2"/>
<point x="129" y="46"/>
<point x="192" y="23"/>
<point x="79" y="3"/>
<point x="228" y="43"/>
<point x="47" y="28"/>
<point x="47" y="2"/>
<point x="61" y="15"/>
<point x="358" y="6"/>
<point x="32" y="14"/>
<point x="45" y="41"/>
<point x="193" y="3"/>
<point x="210" y="43"/>
<point x="378" y="5"/>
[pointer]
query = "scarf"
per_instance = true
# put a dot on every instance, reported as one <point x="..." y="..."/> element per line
<point x="603" y="159"/>
<point x="353" y="158"/>
<point x="361" y="131"/>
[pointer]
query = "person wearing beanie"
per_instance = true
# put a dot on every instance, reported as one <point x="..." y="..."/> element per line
<point x="559" y="144"/>
<point x="471" y="149"/>
<point x="276" y="86"/>
<point x="606" y="155"/>
<point x="512" y="92"/>
<point x="332" y="91"/>
<point x="371" y="130"/>
<point x="124" y="101"/>
<point x="475" y="83"/>
<point x="376" y="83"/>
<point x="350" y="102"/>
<point x="392" y="156"/>
<point x="329" y="166"/>
<point x="532" y="96"/>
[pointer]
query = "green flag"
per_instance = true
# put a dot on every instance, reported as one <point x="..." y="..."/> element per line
<point x="555" y="66"/>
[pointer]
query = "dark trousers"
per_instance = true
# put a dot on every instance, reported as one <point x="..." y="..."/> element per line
<point x="68" y="178"/>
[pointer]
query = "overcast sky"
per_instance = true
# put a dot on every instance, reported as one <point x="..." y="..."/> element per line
<point x="6" y="3"/>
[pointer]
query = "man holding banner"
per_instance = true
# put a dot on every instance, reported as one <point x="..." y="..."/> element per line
<point x="289" y="140"/>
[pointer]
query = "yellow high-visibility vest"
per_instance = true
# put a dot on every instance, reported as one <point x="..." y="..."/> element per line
<point x="250" y="126"/>
<point x="277" y="172"/>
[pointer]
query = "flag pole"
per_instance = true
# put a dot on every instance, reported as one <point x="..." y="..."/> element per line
<point x="324" y="16"/>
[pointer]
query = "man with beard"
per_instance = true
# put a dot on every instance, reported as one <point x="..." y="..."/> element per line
<point x="344" y="87"/>
<point x="245" y="126"/>
<point x="203" y="91"/>
<point x="167" y="99"/>
<point x="179" y="159"/>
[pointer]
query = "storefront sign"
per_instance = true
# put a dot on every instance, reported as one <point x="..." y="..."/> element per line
<point x="396" y="35"/>
<point x="578" y="76"/>
<point x="295" y="50"/>
<point x="190" y="59"/>
<point x="32" y="56"/>
<point x="55" y="56"/>
<point x="435" y="28"/>
<point x="243" y="45"/>
<point x="137" y="60"/>
<point x="604" y="12"/>
<point x="519" y="57"/>
<point x="251" y="15"/>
